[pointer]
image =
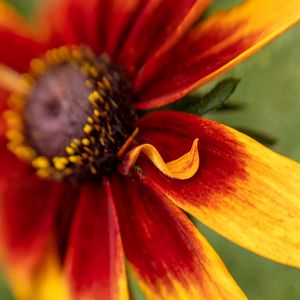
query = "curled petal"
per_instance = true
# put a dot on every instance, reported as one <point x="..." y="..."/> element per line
<point x="214" y="46"/>
<point x="182" y="168"/>
<point x="243" y="190"/>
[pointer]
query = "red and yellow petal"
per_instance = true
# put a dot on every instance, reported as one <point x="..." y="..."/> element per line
<point x="213" y="47"/>
<point x="159" y="25"/>
<point x="47" y="283"/>
<point x="95" y="260"/>
<point x="26" y="223"/>
<point x="27" y="217"/>
<point x="168" y="256"/>
<point x="28" y="207"/>
<point x="242" y="190"/>
<point x="16" y="34"/>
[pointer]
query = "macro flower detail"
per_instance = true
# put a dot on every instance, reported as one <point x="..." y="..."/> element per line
<point x="90" y="179"/>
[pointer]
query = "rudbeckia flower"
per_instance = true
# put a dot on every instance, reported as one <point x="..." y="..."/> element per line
<point x="88" y="181"/>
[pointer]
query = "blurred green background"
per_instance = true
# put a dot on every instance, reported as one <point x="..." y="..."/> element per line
<point x="270" y="90"/>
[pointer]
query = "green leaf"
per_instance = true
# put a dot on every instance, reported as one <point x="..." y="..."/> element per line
<point x="5" y="293"/>
<point x="202" y="104"/>
<point x="25" y="7"/>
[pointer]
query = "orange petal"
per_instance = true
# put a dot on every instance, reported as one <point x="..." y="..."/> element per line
<point x="166" y="253"/>
<point x="181" y="168"/>
<point x="12" y="81"/>
<point x="214" y="46"/>
<point x="242" y="190"/>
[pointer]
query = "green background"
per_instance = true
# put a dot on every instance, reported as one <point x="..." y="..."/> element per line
<point x="270" y="90"/>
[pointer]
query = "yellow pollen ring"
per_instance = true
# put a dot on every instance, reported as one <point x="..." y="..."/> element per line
<point x="12" y="81"/>
<point x="97" y="134"/>
<point x="181" y="168"/>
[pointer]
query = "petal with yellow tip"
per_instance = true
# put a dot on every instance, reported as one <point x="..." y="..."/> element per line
<point x="27" y="215"/>
<point x="47" y="281"/>
<point x="212" y="47"/>
<point x="168" y="256"/>
<point x="243" y="190"/>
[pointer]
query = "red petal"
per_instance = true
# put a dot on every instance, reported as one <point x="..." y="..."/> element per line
<point x="9" y="164"/>
<point x="63" y="219"/>
<point x="28" y="207"/>
<point x="95" y="261"/>
<point x="15" y="34"/>
<point x="123" y="13"/>
<point x="76" y="22"/>
<point x="159" y="26"/>
<point x="167" y="254"/>
<point x="213" y="47"/>
<point x="3" y="107"/>
<point x="243" y="190"/>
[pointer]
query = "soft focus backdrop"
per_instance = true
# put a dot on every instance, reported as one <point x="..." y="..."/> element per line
<point x="270" y="94"/>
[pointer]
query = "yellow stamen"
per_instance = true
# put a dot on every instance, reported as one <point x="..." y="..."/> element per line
<point x="75" y="159"/>
<point x="93" y="170"/>
<point x="106" y="83"/>
<point x="38" y="66"/>
<point x="97" y="113"/>
<point x="87" y="129"/>
<point x="85" y="142"/>
<point x="41" y="162"/>
<point x="94" y="72"/>
<point x="90" y="120"/>
<point x="60" y="162"/>
<point x="70" y="150"/>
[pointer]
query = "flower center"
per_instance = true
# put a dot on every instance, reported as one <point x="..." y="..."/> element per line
<point x="75" y="118"/>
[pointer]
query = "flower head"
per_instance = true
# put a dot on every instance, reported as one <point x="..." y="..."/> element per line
<point x="87" y="181"/>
